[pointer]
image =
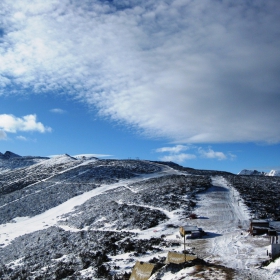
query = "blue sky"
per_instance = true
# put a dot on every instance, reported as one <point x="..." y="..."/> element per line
<point x="194" y="82"/>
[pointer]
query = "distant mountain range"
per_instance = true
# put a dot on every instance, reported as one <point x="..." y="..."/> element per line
<point x="10" y="161"/>
<point x="260" y="173"/>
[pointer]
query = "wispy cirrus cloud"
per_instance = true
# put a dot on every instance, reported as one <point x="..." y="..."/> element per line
<point x="13" y="124"/>
<point x="191" y="71"/>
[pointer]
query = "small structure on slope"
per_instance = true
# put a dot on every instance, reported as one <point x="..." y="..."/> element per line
<point x="142" y="271"/>
<point x="193" y="231"/>
<point x="275" y="250"/>
<point x="177" y="258"/>
<point x="258" y="227"/>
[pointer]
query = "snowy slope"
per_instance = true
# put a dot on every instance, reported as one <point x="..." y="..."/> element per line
<point x="10" y="161"/>
<point x="78" y="217"/>
<point x="224" y="216"/>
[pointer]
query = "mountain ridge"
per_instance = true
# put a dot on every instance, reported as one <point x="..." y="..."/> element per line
<point x="20" y="161"/>
<point x="8" y="155"/>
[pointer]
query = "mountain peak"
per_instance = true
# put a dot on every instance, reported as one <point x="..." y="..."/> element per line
<point x="250" y="172"/>
<point x="9" y="155"/>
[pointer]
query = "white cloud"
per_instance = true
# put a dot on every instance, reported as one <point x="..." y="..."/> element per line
<point x="212" y="154"/>
<point x="3" y="135"/>
<point x="174" y="153"/>
<point x="178" y="157"/>
<point x="175" y="149"/>
<point x="12" y="124"/>
<point x="22" y="138"/>
<point x="192" y="71"/>
<point x="58" y="111"/>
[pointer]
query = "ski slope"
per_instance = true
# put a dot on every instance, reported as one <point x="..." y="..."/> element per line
<point x="225" y="218"/>
<point x="25" y="225"/>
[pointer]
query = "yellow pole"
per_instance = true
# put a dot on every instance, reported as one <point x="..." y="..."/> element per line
<point x="185" y="245"/>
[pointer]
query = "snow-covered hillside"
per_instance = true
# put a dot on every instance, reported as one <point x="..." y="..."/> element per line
<point x="81" y="217"/>
<point x="261" y="173"/>
<point x="274" y="173"/>
<point x="10" y="161"/>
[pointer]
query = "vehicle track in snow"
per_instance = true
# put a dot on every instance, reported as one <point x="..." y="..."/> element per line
<point x="226" y="219"/>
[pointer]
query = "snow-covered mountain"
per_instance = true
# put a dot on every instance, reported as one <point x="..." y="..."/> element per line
<point x="261" y="173"/>
<point x="10" y="161"/>
<point x="8" y="155"/>
<point x="251" y="172"/>
<point x="274" y="173"/>
<point x="80" y="217"/>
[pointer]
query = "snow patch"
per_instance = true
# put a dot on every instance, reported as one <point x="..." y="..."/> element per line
<point x="274" y="173"/>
